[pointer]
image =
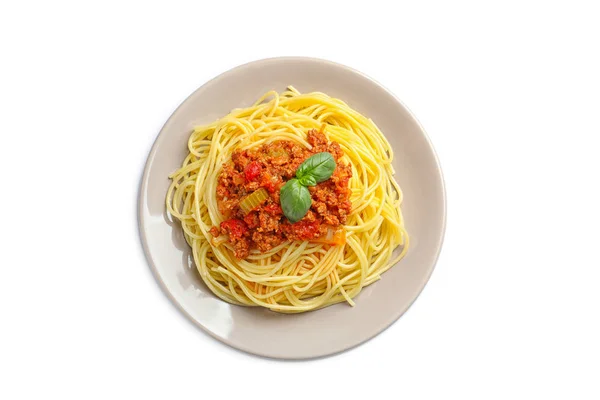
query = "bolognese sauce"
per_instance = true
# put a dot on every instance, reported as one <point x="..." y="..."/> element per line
<point x="248" y="197"/>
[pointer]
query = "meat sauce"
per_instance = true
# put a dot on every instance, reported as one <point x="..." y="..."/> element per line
<point x="270" y="166"/>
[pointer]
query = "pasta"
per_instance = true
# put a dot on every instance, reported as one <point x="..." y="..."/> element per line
<point x="294" y="276"/>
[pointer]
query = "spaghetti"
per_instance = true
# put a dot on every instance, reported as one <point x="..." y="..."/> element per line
<point x="293" y="276"/>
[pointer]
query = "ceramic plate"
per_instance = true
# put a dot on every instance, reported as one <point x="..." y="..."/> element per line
<point x="335" y="328"/>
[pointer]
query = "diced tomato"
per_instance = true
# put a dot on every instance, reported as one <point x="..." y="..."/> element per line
<point x="252" y="171"/>
<point x="234" y="227"/>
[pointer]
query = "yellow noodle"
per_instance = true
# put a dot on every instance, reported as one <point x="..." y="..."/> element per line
<point x="294" y="276"/>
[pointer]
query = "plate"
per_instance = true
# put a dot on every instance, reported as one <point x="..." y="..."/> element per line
<point x="335" y="328"/>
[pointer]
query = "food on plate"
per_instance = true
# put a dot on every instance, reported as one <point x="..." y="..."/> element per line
<point x="289" y="204"/>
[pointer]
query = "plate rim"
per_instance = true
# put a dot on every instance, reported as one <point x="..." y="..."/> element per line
<point x="142" y="189"/>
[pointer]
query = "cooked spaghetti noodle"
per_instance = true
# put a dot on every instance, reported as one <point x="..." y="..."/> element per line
<point x="294" y="276"/>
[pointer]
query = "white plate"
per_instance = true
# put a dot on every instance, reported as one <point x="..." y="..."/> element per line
<point x="335" y="328"/>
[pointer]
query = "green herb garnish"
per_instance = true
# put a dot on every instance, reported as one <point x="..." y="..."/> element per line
<point x="295" y="200"/>
<point x="294" y="196"/>
<point x="319" y="166"/>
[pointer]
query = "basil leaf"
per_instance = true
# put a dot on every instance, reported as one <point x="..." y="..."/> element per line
<point x="320" y="166"/>
<point x="308" y="180"/>
<point x="295" y="200"/>
<point x="294" y="196"/>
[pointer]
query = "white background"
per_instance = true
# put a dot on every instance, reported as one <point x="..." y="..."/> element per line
<point x="509" y="93"/>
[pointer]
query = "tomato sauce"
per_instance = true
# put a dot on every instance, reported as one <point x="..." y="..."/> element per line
<point x="270" y="166"/>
